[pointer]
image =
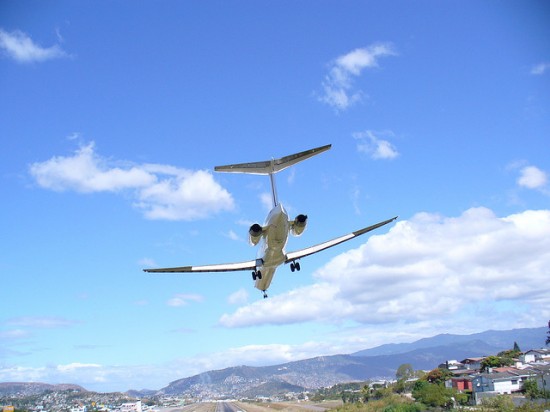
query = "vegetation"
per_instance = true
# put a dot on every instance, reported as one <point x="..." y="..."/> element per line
<point x="416" y="392"/>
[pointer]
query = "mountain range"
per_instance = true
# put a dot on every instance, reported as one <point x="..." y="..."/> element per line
<point x="324" y="371"/>
<point x="35" y="388"/>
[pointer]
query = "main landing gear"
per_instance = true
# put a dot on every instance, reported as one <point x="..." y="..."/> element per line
<point x="256" y="275"/>
<point x="295" y="266"/>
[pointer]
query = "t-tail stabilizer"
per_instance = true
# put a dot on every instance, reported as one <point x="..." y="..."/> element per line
<point x="270" y="167"/>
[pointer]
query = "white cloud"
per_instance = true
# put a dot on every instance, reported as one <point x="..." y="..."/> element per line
<point x="238" y="298"/>
<point x="532" y="177"/>
<point x="540" y="68"/>
<point x="160" y="191"/>
<point x="20" y="47"/>
<point x="14" y="334"/>
<point x="183" y="299"/>
<point x="338" y="90"/>
<point x="232" y="235"/>
<point x="72" y="367"/>
<point x="46" y="322"/>
<point x="376" y="147"/>
<point x="427" y="269"/>
<point x="266" y="200"/>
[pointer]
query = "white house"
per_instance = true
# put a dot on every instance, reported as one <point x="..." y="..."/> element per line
<point x="131" y="407"/>
<point x="535" y="355"/>
<point x="492" y="384"/>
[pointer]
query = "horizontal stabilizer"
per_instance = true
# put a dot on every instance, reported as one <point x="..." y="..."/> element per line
<point x="271" y="166"/>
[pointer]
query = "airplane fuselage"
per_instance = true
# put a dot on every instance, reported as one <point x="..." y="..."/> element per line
<point x="271" y="253"/>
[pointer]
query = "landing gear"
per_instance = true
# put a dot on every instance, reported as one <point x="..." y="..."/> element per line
<point x="256" y="275"/>
<point x="295" y="266"/>
<point x="265" y="294"/>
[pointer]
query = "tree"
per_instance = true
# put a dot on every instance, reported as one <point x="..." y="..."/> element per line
<point x="405" y="371"/>
<point x="432" y="394"/>
<point x="531" y="389"/>
<point x="495" y="362"/>
<point x="438" y="376"/>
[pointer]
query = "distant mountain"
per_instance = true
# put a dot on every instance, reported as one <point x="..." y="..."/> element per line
<point x="142" y="393"/>
<point x="34" y="388"/>
<point x="527" y="338"/>
<point x="380" y="362"/>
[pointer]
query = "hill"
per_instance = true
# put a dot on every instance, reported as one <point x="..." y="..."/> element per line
<point x="324" y="371"/>
<point x="35" y="388"/>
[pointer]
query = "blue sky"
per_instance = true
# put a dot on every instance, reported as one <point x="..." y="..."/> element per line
<point x="114" y="114"/>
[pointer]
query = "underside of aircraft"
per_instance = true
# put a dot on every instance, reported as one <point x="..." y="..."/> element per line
<point x="271" y="237"/>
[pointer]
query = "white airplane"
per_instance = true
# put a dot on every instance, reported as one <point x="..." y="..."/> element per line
<point x="273" y="235"/>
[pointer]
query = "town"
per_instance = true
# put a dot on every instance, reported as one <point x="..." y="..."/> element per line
<point x="514" y="376"/>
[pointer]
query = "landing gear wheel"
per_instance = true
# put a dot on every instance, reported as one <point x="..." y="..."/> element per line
<point x="265" y="294"/>
<point x="254" y="275"/>
<point x="297" y="266"/>
<point x="292" y="267"/>
<point x="259" y="274"/>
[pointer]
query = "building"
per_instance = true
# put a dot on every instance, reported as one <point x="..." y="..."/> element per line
<point x="536" y="355"/>
<point x="472" y="363"/>
<point x="131" y="407"/>
<point x="462" y="384"/>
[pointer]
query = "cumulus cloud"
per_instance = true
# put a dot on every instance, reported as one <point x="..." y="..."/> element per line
<point x="20" y="47"/>
<point x="540" y="68"/>
<point x="531" y="177"/>
<point x="160" y="191"/>
<point x="338" y="90"/>
<point x="426" y="269"/>
<point x="375" y="144"/>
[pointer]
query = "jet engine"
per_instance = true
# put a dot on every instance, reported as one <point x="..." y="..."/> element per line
<point x="255" y="234"/>
<point x="299" y="225"/>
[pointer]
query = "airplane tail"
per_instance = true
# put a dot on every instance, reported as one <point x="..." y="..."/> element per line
<point x="270" y="167"/>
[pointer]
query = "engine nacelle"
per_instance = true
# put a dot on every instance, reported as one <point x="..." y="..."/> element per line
<point x="255" y="234"/>
<point x="299" y="225"/>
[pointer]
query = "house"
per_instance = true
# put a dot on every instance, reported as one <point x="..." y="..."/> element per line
<point x="472" y="363"/>
<point x="131" y="407"/>
<point x="451" y="365"/>
<point x="498" y="383"/>
<point x="501" y="382"/>
<point x="463" y="383"/>
<point x="535" y="355"/>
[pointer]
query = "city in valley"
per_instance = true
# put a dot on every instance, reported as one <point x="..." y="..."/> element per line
<point x="508" y="380"/>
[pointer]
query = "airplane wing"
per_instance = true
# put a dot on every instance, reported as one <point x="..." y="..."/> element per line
<point x="224" y="267"/>
<point x="291" y="256"/>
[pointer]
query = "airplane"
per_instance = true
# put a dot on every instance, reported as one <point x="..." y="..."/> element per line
<point x="273" y="235"/>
